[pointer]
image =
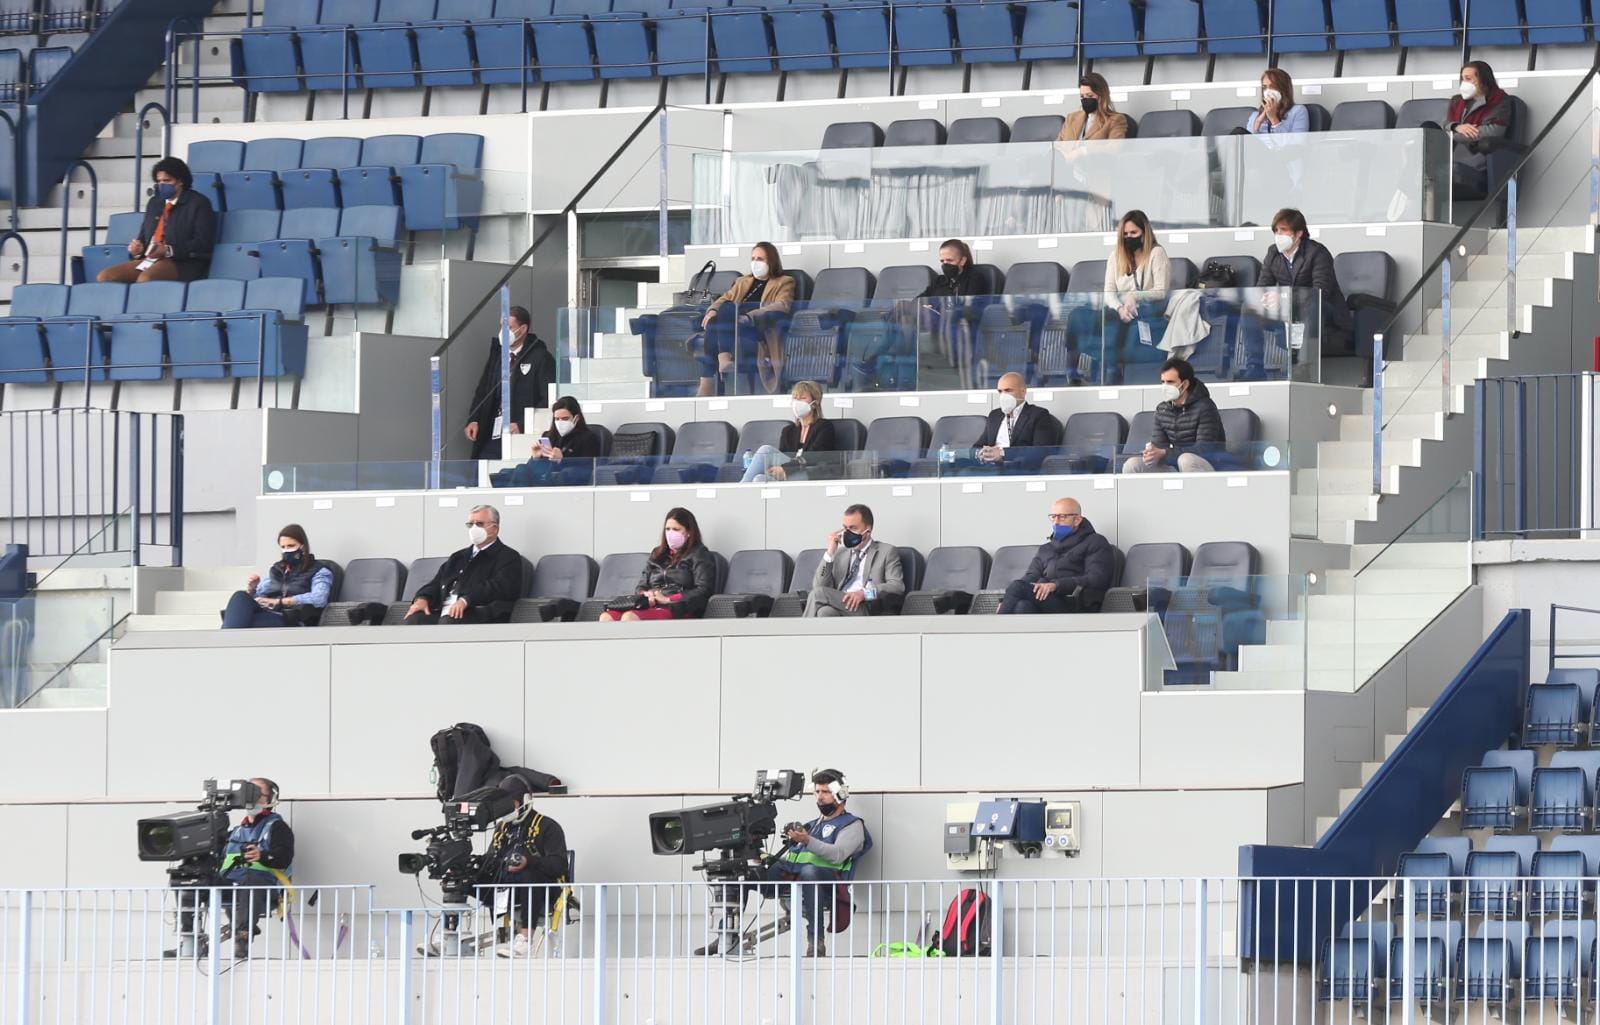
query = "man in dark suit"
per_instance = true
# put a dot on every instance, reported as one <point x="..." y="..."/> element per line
<point x="533" y="370"/>
<point x="1017" y="424"/>
<point x="176" y="238"/>
<point x="1072" y="570"/>
<point x="478" y="584"/>
<point x="1297" y="260"/>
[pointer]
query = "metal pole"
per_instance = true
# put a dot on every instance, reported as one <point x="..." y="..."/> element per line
<point x="407" y="938"/>
<point x="997" y="959"/>
<point x="662" y="186"/>
<point x="176" y="472"/>
<point x="25" y="954"/>
<point x="505" y="367"/>
<point x="1519" y="496"/>
<point x="1377" y="415"/>
<point x="1586" y="449"/>
<point x="133" y="481"/>
<point x="1408" y="956"/>
<point x="214" y="958"/>
<point x="1511" y="257"/>
<point x="434" y="387"/>
<point x="1444" y="327"/>
<point x="1200" y="924"/>
<point x="796" y="953"/>
<point x="1480" y="403"/>
<point x="601" y="940"/>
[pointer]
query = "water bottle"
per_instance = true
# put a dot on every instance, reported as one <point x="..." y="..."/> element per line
<point x="870" y="590"/>
<point x="946" y="454"/>
<point x="749" y="457"/>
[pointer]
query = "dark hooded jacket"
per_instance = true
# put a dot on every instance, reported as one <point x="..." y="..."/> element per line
<point x="1083" y="559"/>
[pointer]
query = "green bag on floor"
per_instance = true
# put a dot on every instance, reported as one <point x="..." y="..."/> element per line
<point x="906" y="950"/>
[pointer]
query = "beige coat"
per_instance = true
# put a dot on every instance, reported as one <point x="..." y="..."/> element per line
<point x="1106" y="126"/>
<point x="777" y="297"/>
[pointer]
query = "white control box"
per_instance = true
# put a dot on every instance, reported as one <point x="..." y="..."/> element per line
<point x="1063" y="823"/>
<point x="964" y="852"/>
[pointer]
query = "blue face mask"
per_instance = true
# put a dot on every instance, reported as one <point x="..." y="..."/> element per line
<point x="166" y="191"/>
<point x="1062" y="531"/>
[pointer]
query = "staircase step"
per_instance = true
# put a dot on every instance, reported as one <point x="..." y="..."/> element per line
<point x="70" y="697"/>
<point x="1573" y="239"/>
<point x="1325" y="823"/>
<point x="1426" y="348"/>
<point x="1294" y="657"/>
<point x="1312" y="678"/>
<point x="606" y="371"/>
<point x="1347" y="795"/>
<point x="612" y="345"/>
<point x="1355" y="480"/>
<point x="1529" y="265"/>
<point x="1390" y="742"/>
<point x="192" y="602"/>
<point x="1426" y="424"/>
<point x="1396" y="452"/>
<point x="196" y="621"/>
<point x="1368" y="770"/>
<point x="1466" y="296"/>
<point x="1419" y="374"/>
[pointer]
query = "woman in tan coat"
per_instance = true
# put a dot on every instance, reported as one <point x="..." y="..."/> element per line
<point x="1098" y="119"/>
<point x="766" y="290"/>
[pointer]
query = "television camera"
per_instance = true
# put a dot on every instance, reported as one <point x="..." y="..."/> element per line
<point x="195" y="839"/>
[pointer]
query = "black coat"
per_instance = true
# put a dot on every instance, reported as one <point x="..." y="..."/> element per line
<point x="1034" y="428"/>
<point x="1195" y="426"/>
<point x="538" y="838"/>
<point x="1085" y="559"/>
<point x="694" y="575"/>
<point x="1312" y="268"/>
<point x="580" y="442"/>
<point x="820" y="439"/>
<point x="533" y="370"/>
<point x="491" y="581"/>
<point x="191" y="232"/>
<point x="965" y="283"/>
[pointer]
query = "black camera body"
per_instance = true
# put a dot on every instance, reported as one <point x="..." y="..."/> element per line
<point x="737" y="829"/>
<point x="448" y="857"/>
<point x="189" y="836"/>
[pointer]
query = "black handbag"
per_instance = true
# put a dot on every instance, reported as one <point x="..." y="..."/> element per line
<point x="628" y="603"/>
<point x="699" y="290"/>
<point x="1216" y="274"/>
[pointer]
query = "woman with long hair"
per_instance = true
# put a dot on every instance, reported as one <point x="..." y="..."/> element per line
<point x="678" y="580"/>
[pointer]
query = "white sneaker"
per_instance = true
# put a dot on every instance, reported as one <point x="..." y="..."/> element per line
<point x="518" y="947"/>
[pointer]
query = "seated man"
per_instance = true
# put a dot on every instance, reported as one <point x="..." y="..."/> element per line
<point x="478" y="584"/>
<point x="255" y="861"/>
<point x="824" y="850"/>
<point x="1015" y="423"/>
<point x="1188" y="428"/>
<point x="527" y="850"/>
<point x="856" y="586"/>
<point x="1074" y="557"/>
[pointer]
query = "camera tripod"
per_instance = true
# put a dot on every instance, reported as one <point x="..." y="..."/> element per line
<point x="731" y="878"/>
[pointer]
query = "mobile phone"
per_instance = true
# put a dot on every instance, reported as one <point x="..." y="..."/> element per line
<point x="544" y="442"/>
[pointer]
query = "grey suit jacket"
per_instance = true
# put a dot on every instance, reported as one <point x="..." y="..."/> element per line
<point x="882" y="567"/>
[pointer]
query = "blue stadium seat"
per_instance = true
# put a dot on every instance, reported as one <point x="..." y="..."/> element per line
<point x="197" y="337"/>
<point x="445" y="48"/>
<point x="387" y="44"/>
<point x="1428" y="22"/>
<point x="1555" y="961"/>
<point x="273" y="304"/>
<point x="1564" y="792"/>
<point x="327" y="50"/>
<point x="66" y="16"/>
<point x="1492" y="874"/>
<point x="369" y="186"/>
<point x="1110" y="29"/>
<point x="361" y="263"/>
<point x="1495" y="23"/>
<point x="18" y="17"/>
<point x="1556" y="890"/>
<point x="215" y="155"/>
<point x="802" y="35"/>
<point x="308" y="187"/>
<point x="249" y="225"/>
<point x="444" y="190"/>
<point x="1300" y="26"/>
<point x="330" y="151"/>
<point x="1363" y="24"/>
<point x="293" y="254"/>
<point x="1553" y="715"/>
<point x="114" y="250"/>
<point x="1049" y="32"/>
<point x="624" y="38"/>
<point x="563" y="43"/>
<point x="45" y="63"/>
<point x="988" y="31"/>
<point x="1430" y="967"/>
<point x="391" y="150"/>
<point x="861" y="33"/>
<point x="1557" y="21"/>
<point x="1171" y="27"/>
<point x="1587" y="680"/>
<point x="1491" y="962"/>
<point x="1351" y="964"/>
<point x="681" y="44"/>
<point x="1234" y="26"/>
<point x="138" y="335"/>
<point x="1492" y="791"/>
<point x="22" y="348"/>
<point x="238" y="261"/>
<point x="272" y="154"/>
<point x="743" y="39"/>
<point x="76" y="336"/>
<point x="1435" y="858"/>
<point x="924" y="34"/>
<point x="266" y="59"/>
<point x="505" y="44"/>
<point x="13" y="76"/>
<point x="251" y="190"/>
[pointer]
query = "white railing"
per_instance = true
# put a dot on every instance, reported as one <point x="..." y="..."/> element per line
<point x="1060" y="951"/>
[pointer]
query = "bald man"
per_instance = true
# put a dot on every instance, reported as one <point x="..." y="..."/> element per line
<point x="1071" y="572"/>
<point x="1017" y="433"/>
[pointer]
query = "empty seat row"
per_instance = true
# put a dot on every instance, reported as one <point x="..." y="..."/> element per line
<point x="1507" y="787"/>
<point x="160" y="329"/>
<point x="25" y="70"/>
<point x="370" y="44"/>
<point x="1506" y="876"/>
<point x="713" y="451"/>
<point x="437" y="178"/>
<point x="1561" y="711"/>
<point x="46" y="17"/>
<point x="848" y="332"/>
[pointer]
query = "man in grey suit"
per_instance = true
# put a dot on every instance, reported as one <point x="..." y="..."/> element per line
<point x="857" y="571"/>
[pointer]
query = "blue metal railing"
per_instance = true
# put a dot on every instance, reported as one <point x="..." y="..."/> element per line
<point x="1533" y="455"/>
<point x="138" y="147"/>
<point x="66" y="209"/>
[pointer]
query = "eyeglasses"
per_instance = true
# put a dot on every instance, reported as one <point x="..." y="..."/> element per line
<point x="1064" y="517"/>
<point x="477" y="523"/>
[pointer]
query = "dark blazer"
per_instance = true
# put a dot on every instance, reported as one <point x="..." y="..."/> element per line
<point x="533" y="370"/>
<point x="491" y="580"/>
<point x="1085" y="559"/>
<point x="694" y="575"/>
<point x="821" y="439"/>
<point x="1034" y="428"/>
<point x="191" y="232"/>
<point x="580" y="442"/>
<point x="1312" y="268"/>
<point x="965" y="283"/>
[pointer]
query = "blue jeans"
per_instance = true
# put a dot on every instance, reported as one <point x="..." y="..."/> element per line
<point x="764" y="459"/>
<point x="243" y="613"/>
<point x="816" y="877"/>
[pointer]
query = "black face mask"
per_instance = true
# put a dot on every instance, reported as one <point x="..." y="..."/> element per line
<point x="1133" y="245"/>
<point x="826" y="808"/>
<point x="950" y="270"/>
<point x="1090" y="104"/>
<point x="290" y="558"/>
<point x="851" y="539"/>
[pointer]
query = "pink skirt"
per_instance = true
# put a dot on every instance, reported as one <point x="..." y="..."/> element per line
<point x="655" y="613"/>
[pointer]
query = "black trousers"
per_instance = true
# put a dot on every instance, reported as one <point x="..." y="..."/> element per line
<point x="242" y="905"/>
<point x="1019" y="599"/>
<point x="473" y="615"/>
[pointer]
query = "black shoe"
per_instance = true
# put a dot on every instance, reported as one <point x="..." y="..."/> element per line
<point x="241" y="948"/>
<point x="201" y="947"/>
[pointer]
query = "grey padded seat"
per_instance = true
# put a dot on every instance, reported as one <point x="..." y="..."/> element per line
<point x="619" y="575"/>
<point x="893" y="443"/>
<point x="700" y="450"/>
<point x="755" y="579"/>
<point x="1362" y="116"/>
<point x="1169" y="124"/>
<point x="1089" y="443"/>
<point x="977" y="131"/>
<point x="557" y="588"/>
<point x="952" y="576"/>
<point x="1246" y="269"/>
<point x="1168" y="562"/>
<point x="628" y="470"/>
<point x="365" y="581"/>
<point x="923" y="131"/>
<point x="852" y="135"/>
<point x="1037" y="128"/>
<point x="792" y="604"/>
<point x="1009" y="564"/>
<point x="904" y="281"/>
<point x="421" y="572"/>
<point x="1414" y="112"/>
<point x="754" y="434"/>
<point x="1036" y="277"/>
<point x="1223" y="120"/>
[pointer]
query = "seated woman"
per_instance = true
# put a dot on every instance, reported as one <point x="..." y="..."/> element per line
<point x="1278" y="114"/>
<point x="1481" y="111"/>
<point x="569" y="437"/>
<point x="1098" y="118"/>
<point x="678" y="580"/>
<point x="766" y="290"/>
<point x="294" y="593"/>
<point x="1138" y="277"/>
<point x="808" y="435"/>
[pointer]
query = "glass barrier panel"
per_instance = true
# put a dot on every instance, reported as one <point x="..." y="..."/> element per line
<point x="1048" y="188"/>
<point x="1226" y="632"/>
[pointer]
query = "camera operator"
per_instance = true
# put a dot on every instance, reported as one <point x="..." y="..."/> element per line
<point x="255" y="862"/>
<point x="823" y="851"/>
<point x="527" y="849"/>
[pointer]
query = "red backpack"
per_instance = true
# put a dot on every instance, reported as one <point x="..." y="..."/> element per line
<point x="965" y="932"/>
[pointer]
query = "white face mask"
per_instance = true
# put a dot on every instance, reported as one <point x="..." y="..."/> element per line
<point x="564" y="427"/>
<point x="759" y="269"/>
<point x="801" y="408"/>
<point x="1169" y="392"/>
<point x="1468" y="91"/>
<point x="1271" y="95"/>
<point x="1008" y="402"/>
<point x="476" y="535"/>
<point x="1283" y="242"/>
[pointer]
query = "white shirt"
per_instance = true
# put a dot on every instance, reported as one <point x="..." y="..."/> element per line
<point x="1002" y="438"/>
<point x="854" y="583"/>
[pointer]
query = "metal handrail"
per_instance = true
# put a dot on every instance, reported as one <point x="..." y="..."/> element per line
<point x="173" y="42"/>
<point x="8" y="235"/>
<point x="16" y="168"/>
<point x="138" y="147"/>
<point x="1551" y="636"/>
<point x="66" y="209"/>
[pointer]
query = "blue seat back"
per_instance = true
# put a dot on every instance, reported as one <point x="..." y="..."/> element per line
<point x="215" y="295"/>
<point x="39" y="300"/>
<point x="369" y="185"/>
<point x="290" y="12"/>
<point x="1585" y="679"/>
<point x="216" y="155"/>
<point x="1171" y="27"/>
<point x="408" y="10"/>
<point x="391" y="150"/>
<point x="155" y="297"/>
<point x="331" y="151"/>
<point x="348" y="12"/>
<point x="309" y="222"/>
<point x="97" y="300"/>
<point x="249" y="225"/>
<point x="123" y="227"/>
<point x="522" y="9"/>
<point x="283" y="294"/>
<point x="1554" y="714"/>
<point x="1363" y="24"/>
<point x="1234" y="26"/>
<point x="376" y="222"/>
<point x="462" y="150"/>
<point x="271" y="154"/>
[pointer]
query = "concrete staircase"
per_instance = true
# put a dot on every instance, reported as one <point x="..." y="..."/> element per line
<point x="1368" y="769"/>
<point x="65" y="665"/>
<point x="615" y="368"/>
<point x="197" y="604"/>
